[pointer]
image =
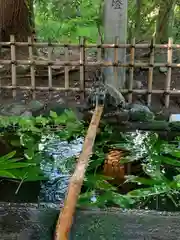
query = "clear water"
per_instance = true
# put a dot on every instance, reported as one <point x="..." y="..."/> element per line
<point x="59" y="169"/>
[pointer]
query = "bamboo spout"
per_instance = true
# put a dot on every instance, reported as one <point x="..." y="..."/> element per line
<point x="66" y="216"/>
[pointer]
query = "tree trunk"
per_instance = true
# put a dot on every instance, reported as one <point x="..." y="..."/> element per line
<point x="14" y="19"/>
<point x="138" y="18"/>
<point x="164" y="26"/>
<point x="31" y="14"/>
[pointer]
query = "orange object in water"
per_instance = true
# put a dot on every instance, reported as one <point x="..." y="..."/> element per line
<point x="112" y="166"/>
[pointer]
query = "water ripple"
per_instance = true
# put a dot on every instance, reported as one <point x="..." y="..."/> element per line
<point x="59" y="169"/>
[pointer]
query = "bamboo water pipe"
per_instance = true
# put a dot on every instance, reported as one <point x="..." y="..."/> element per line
<point x="65" y="219"/>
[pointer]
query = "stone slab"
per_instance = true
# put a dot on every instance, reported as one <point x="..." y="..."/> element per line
<point x="33" y="222"/>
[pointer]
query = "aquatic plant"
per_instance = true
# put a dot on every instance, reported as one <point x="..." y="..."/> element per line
<point x="16" y="168"/>
<point x="23" y="136"/>
<point x="159" y="176"/>
<point x="159" y="160"/>
<point x="161" y="168"/>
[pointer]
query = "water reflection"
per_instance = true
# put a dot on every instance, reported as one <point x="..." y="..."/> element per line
<point x="59" y="168"/>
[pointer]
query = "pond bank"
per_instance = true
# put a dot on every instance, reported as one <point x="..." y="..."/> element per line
<point x="33" y="222"/>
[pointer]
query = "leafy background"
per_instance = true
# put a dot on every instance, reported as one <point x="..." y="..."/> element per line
<point x="66" y="20"/>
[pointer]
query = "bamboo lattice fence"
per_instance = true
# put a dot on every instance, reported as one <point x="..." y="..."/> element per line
<point x="83" y="62"/>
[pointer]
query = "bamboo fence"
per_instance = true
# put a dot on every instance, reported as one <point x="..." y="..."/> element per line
<point x="82" y="63"/>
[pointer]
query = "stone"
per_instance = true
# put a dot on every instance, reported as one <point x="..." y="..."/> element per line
<point x="137" y="84"/>
<point x="38" y="222"/>
<point x="27" y="114"/>
<point x="35" y="105"/>
<point x="61" y="101"/>
<point x="2" y="69"/>
<point x="116" y="95"/>
<point x="140" y="112"/>
<point x="12" y="109"/>
<point x="20" y="108"/>
<point x="163" y="69"/>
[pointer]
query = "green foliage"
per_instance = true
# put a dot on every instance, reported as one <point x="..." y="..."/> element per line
<point x="97" y="189"/>
<point x="160" y="175"/>
<point x="160" y="164"/>
<point x="66" y="20"/>
<point x="15" y="168"/>
<point x="24" y="136"/>
<point x="160" y="160"/>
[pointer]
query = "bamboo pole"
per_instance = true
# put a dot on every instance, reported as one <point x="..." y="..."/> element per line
<point x="66" y="216"/>
<point x="88" y="89"/>
<point x="104" y="45"/>
<point x="32" y="68"/>
<point x="86" y="64"/>
<point x="131" y="77"/>
<point x="150" y="73"/>
<point x="13" y="65"/>
<point x="169" y="73"/>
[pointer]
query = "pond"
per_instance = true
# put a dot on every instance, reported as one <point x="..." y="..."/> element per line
<point x="150" y="162"/>
<point x="59" y="170"/>
<point x="55" y="167"/>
